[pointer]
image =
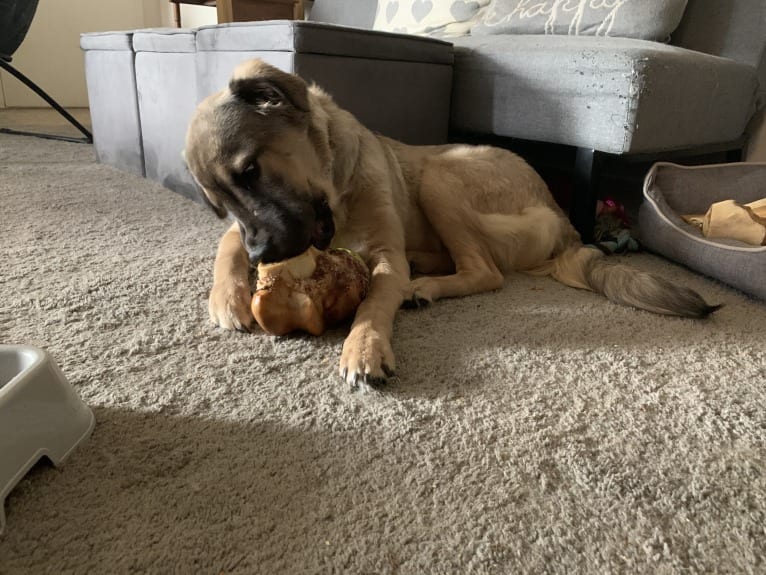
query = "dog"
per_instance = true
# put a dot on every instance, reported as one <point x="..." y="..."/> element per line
<point x="294" y="170"/>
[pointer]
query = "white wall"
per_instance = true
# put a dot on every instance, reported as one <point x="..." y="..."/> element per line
<point x="50" y="54"/>
<point x="194" y="16"/>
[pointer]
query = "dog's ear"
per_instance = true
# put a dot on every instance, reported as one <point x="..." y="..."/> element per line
<point x="217" y="208"/>
<point x="268" y="88"/>
<point x="206" y="198"/>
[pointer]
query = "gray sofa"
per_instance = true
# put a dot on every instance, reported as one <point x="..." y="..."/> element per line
<point x="601" y="97"/>
<point x="607" y="97"/>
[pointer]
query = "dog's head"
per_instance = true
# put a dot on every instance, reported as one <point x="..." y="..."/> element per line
<point x="249" y="149"/>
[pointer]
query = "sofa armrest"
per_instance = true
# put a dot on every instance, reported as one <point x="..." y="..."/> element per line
<point x="734" y="29"/>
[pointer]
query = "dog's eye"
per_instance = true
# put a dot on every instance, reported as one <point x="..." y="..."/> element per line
<point x="250" y="176"/>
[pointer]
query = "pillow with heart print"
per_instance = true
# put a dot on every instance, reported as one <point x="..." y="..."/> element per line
<point x="429" y="17"/>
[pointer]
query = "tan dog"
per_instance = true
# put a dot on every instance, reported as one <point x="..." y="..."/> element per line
<point x="293" y="169"/>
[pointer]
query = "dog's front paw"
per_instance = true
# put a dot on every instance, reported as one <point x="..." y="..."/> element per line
<point x="367" y="359"/>
<point x="229" y="306"/>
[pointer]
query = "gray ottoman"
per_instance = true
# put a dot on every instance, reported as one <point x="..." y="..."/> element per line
<point x="395" y="84"/>
<point x="166" y="82"/>
<point x="111" y="79"/>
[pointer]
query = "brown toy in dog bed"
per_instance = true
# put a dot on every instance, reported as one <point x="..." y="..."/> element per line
<point x="309" y="292"/>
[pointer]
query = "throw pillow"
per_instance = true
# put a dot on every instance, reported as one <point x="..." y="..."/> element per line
<point x="429" y="17"/>
<point x="645" y="19"/>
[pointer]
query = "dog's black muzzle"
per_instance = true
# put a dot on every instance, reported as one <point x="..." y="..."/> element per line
<point x="283" y="225"/>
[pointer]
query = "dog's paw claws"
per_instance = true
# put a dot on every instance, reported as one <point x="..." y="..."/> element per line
<point x="233" y="323"/>
<point x="229" y="307"/>
<point x="416" y="302"/>
<point x="367" y="360"/>
<point x="366" y="383"/>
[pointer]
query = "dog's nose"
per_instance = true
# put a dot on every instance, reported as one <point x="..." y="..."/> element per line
<point x="324" y="227"/>
<point x="324" y="230"/>
<point x="255" y="244"/>
<point x="255" y="253"/>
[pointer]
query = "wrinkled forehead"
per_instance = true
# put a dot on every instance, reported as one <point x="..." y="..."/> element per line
<point x="216" y="134"/>
<point x="227" y="135"/>
<point x="212" y="122"/>
<point x="226" y="124"/>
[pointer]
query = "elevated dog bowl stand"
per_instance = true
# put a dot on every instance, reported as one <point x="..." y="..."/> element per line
<point x="40" y="415"/>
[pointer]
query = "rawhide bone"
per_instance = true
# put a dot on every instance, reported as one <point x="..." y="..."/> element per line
<point x="309" y="292"/>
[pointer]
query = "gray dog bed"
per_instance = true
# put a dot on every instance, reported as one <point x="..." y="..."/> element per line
<point x="671" y="190"/>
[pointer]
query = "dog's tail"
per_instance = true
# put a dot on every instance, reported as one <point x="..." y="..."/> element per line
<point x="588" y="268"/>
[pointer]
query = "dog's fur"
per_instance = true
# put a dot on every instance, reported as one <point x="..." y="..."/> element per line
<point x="294" y="169"/>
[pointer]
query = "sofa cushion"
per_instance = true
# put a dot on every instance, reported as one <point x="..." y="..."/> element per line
<point x="645" y="19"/>
<point x="615" y="95"/>
<point x="429" y="17"/>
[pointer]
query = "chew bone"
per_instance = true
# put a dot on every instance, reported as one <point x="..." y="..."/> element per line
<point x="309" y="292"/>
<point x="728" y="219"/>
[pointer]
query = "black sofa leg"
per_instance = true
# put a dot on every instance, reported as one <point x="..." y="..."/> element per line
<point x="734" y="156"/>
<point x="582" y="210"/>
<point x="88" y="139"/>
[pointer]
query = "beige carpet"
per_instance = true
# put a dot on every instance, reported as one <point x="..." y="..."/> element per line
<point x="535" y="429"/>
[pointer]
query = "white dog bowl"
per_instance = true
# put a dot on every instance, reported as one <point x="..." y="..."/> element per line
<point x="40" y="415"/>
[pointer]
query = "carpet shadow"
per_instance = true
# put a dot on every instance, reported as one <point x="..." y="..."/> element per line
<point x="149" y="492"/>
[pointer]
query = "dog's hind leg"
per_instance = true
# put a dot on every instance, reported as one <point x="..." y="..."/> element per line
<point x="484" y="245"/>
<point x="475" y="269"/>
<point x="430" y="262"/>
<point x="474" y="274"/>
